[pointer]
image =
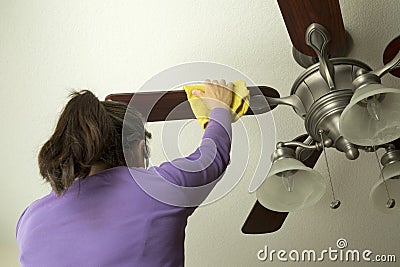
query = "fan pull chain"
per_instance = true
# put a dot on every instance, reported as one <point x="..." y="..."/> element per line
<point x="390" y="202"/>
<point x="335" y="203"/>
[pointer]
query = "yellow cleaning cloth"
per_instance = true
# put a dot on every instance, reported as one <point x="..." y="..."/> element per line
<point x="239" y="105"/>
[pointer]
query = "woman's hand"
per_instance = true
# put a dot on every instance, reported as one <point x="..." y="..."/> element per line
<point x="216" y="94"/>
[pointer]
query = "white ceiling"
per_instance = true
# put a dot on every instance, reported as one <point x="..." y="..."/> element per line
<point x="50" y="46"/>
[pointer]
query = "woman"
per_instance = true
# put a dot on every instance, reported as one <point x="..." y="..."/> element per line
<point x="96" y="214"/>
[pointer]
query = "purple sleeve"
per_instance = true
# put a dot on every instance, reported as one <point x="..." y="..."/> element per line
<point x="19" y="221"/>
<point x="210" y="159"/>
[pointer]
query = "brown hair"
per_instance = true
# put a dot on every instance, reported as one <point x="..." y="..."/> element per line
<point x="89" y="131"/>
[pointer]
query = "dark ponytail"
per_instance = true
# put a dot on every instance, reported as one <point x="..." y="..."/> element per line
<point x="88" y="132"/>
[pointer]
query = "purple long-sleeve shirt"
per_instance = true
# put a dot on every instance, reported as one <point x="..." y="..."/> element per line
<point x="108" y="220"/>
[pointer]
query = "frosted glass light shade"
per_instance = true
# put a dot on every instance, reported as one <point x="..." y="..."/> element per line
<point x="378" y="195"/>
<point x="360" y="128"/>
<point x="308" y="187"/>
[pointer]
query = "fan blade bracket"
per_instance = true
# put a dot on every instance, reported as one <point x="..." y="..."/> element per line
<point x="318" y="38"/>
<point x="390" y="66"/>
<point x="293" y="100"/>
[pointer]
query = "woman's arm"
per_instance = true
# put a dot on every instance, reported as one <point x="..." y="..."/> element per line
<point x="211" y="158"/>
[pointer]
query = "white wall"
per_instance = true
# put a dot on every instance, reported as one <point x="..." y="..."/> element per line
<point x="50" y="46"/>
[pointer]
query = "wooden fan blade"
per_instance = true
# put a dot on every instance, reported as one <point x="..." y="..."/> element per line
<point x="173" y="105"/>
<point x="299" y="14"/>
<point x="262" y="220"/>
<point x="390" y="52"/>
<point x="396" y="143"/>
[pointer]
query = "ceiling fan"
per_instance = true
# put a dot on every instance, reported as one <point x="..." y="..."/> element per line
<point x="320" y="96"/>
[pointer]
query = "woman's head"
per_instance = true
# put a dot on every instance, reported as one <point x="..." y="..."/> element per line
<point x="90" y="132"/>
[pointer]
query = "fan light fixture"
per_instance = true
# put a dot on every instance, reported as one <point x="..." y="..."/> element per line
<point x="373" y="114"/>
<point x="388" y="184"/>
<point x="344" y="106"/>
<point x="290" y="185"/>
